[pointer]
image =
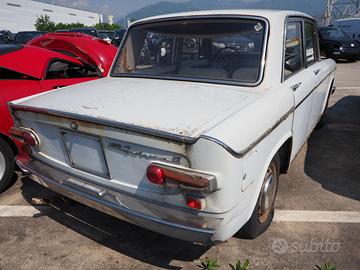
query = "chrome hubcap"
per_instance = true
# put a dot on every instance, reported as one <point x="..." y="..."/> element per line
<point x="2" y="165"/>
<point x="267" y="195"/>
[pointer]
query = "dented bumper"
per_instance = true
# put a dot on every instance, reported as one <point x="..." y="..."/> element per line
<point x="164" y="219"/>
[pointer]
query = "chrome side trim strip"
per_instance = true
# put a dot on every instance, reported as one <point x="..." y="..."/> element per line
<point x="242" y="153"/>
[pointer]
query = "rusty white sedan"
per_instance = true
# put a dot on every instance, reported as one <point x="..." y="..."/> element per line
<point x="189" y="133"/>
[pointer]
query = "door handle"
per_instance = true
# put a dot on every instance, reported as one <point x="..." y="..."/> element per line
<point x="295" y="86"/>
<point x="316" y="71"/>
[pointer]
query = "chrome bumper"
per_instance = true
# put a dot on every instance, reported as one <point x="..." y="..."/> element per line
<point x="153" y="216"/>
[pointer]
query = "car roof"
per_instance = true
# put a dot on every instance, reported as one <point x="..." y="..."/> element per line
<point x="31" y="60"/>
<point x="265" y="13"/>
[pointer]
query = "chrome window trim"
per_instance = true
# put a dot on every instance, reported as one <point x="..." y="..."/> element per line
<point x="316" y="58"/>
<point x="302" y="20"/>
<point x="180" y="78"/>
<point x="290" y="19"/>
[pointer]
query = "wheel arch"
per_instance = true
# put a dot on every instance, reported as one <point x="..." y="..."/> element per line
<point x="10" y="142"/>
<point x="285" y="155"/>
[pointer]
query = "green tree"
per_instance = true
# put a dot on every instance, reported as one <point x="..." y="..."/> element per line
<point x="43" y="23"/>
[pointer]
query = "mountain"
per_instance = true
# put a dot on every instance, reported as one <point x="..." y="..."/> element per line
<point x="312" y="7"/>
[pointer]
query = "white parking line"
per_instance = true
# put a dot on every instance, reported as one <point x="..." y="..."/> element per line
<point x="20" y="210"/>
<point x="280" y="215"/>
<point x="317" y="216"/>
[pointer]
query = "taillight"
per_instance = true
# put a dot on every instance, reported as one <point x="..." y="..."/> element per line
<point x="156" y="175"/>
<point x="28" y="137"/>
<point x="198" y="204"/>
<point x="185" y="178"/>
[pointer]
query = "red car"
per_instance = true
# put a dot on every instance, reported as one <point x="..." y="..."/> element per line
<point x="51" y="62"/>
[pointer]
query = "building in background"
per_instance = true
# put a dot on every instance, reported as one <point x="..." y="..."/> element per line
<point x="20" y="15"/>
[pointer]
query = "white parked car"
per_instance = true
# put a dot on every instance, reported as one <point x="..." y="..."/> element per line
<point x="189" y="133"/>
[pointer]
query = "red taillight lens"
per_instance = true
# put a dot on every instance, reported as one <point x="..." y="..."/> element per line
<point x="195" y="203"/>
<point x="156" y="175"/>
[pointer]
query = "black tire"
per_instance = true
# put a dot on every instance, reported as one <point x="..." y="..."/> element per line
<point x="8" y="163"/>
<point x="254" y="227"/>
<point x="352" y="59"/>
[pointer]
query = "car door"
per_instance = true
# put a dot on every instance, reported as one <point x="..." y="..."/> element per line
<point x="319" y="68"/>
<point x="60" y="73"/>
<point x="299" y="79"/>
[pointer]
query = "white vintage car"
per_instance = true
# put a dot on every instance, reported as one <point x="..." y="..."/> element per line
<point x="189" y="133"/>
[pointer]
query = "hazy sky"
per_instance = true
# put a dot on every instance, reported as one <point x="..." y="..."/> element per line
<point x="114" y="7"/>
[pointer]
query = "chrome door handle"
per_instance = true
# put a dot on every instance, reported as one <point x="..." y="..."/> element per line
<point x="316" y="71"/>
<point x="295" y="86"/>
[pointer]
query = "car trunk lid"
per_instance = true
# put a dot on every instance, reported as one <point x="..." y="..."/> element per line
<point x="162" y="107"/>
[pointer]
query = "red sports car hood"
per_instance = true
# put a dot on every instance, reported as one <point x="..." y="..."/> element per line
<point x="30" y="60"/>
<point x="88" y="49"/>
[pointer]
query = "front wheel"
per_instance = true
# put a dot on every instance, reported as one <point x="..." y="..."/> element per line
<point x="264" y="210"/>
<point x="7" y="165"/>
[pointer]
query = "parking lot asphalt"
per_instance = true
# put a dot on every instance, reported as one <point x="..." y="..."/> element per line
<point x="318" y="214"/>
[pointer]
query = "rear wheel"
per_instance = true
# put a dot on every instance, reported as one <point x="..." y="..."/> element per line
<point x="264" y="210"/>
<point x="7" y="165"/>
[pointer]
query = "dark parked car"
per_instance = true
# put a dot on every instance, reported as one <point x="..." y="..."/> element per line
<point x="6" y="37"/>
<point x="118" y="36"/>
<point x="106" y="35"/>
<point x="89" y="31"/>
<point x="26" y="36"/>
<point x="336" y="44"/>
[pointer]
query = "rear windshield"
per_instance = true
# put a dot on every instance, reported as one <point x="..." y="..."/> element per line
<point x="197" y="49"/>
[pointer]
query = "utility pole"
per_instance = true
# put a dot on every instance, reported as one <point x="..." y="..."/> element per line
<point x="339" y="9"/>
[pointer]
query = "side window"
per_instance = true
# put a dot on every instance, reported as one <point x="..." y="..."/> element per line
<point x="293" y="61"/>
<point x="310" y="43"/>
<point x="59" y="69"/>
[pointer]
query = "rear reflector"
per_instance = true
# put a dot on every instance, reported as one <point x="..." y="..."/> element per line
<point x="198" y="204"/>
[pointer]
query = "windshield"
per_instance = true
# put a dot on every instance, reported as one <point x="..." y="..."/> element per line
<point x="334" y="34"/>
<point x="197" y="49"/>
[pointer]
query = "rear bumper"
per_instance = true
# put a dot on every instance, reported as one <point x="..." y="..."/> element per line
<point x="153" y="216"/>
